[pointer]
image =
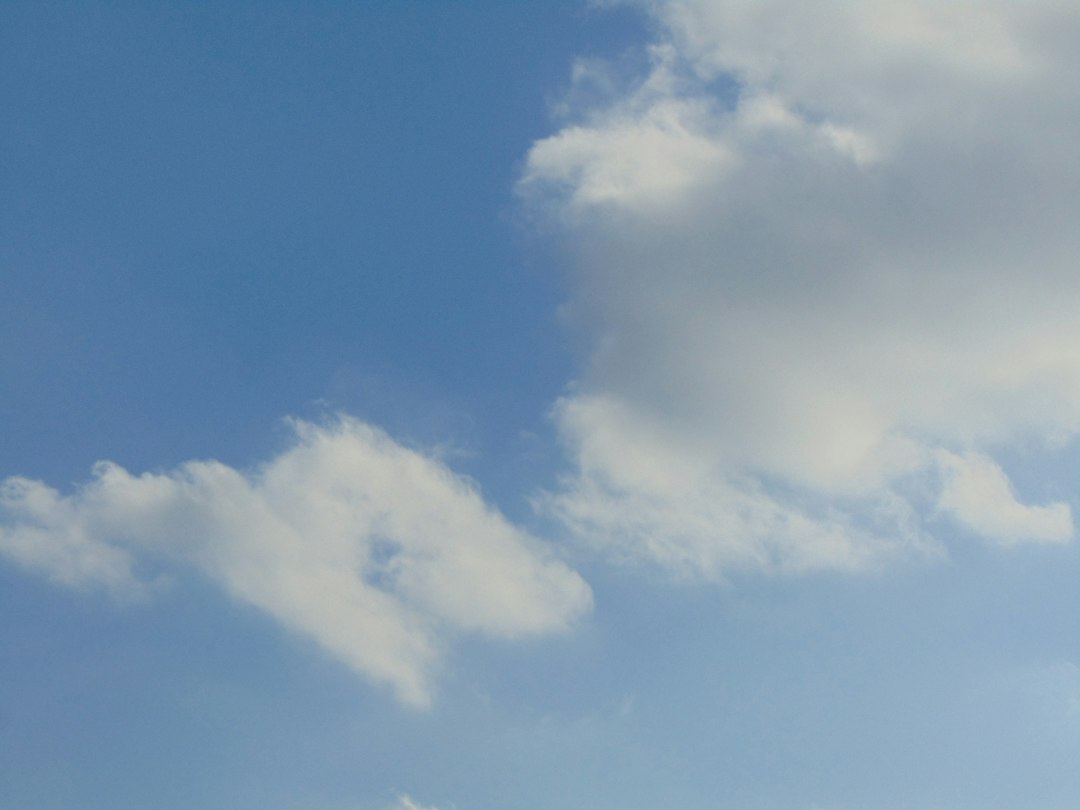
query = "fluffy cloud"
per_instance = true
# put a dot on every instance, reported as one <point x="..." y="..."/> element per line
<point x="825" y="266"/>
<point x="644" y="493"/>
<point x="373" y="550"/>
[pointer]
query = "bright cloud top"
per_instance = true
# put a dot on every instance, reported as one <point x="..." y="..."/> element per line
<point x="373" y="550"/>
<point x="826" y="267"/>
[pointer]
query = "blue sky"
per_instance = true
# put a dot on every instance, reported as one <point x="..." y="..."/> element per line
<point x="416" y="406"/>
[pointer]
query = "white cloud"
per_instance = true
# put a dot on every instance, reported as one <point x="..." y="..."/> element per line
<point x="979" y="494"/>
<point x="40" y="532"/>
<point x="643" y="495"/>
<point x="646" y="150"/>
<point x="375" y="551"/>
<point x="405" y="802"/>
<point x="823" y="252"/>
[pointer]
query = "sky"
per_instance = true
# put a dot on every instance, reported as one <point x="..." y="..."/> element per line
<point x="554" y="406"/>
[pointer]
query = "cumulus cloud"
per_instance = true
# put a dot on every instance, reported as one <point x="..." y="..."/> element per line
<point x="40" y="532"/>
<point x="641" y="494"/>
<point x="376" y="551"/>
<point x="824" y="263"/>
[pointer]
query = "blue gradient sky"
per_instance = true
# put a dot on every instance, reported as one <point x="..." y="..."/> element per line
<point x="541" y="250"/>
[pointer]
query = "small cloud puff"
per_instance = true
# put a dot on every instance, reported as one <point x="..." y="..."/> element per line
<point x="377" y="552"/>
<point x="405" y="802"/>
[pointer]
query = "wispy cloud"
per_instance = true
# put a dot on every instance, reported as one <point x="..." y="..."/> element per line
<point x="374" y="550"/>
<point x="405" y="802"/>
<point x="825" y="260"/>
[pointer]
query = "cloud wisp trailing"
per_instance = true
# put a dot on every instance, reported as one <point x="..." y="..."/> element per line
<point x="377" y="552"/>
<point x="406" y="802"/>
<point x="824" y="261"/>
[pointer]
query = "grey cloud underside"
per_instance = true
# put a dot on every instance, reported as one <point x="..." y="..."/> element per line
<point x="375" y="551"/>
<point x="819" y="308"/>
